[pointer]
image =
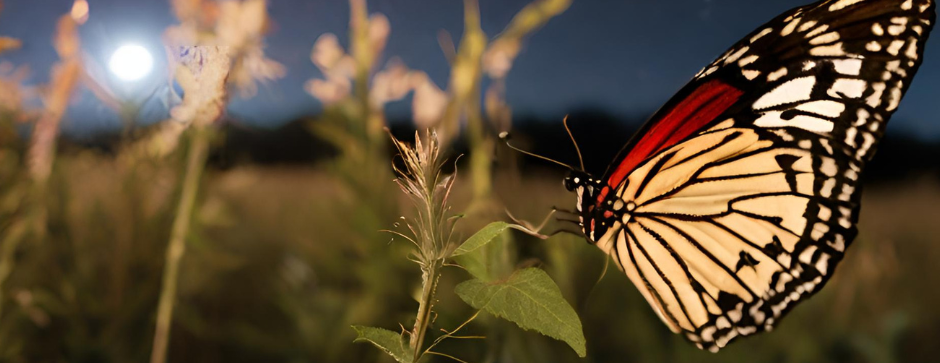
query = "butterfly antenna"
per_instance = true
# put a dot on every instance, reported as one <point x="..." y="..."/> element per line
<point x="573" y="141"/>
<point x="505" y="136"/>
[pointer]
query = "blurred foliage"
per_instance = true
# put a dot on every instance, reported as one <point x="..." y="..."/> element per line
<point x="355" y="99"/>
<point x="281" y="261"/>
<point x="270" y="277"/>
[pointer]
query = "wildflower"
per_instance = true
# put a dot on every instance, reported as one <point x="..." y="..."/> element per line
<point x="379" y="29"/>
<point x="201" y="73"/>
<point x="253" y="68"/>
<point x="188" y="9"/>
<point x="330" y="57"/>
<point x="391" y="84"/>
<point x="429" y="101"/>
<point x="329" y="91"/>
<point x="339" y="67"/>
<point x="240" y="22"/>
<point x="79" y="11"/>
<point x="498" y="58"/>
<point x="431" y="228"/>
<point x="65" y="76"/>
<point x="241" y="25"/>
<point x="424" y="182"/>
<point x="238" y="25"/>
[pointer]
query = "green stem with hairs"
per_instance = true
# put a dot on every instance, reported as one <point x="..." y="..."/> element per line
<point x="198" y="152"/>
<point x="430" y="274"/>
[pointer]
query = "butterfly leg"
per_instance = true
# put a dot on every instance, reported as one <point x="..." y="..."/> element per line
<point x="565" y="211"/>
<point x="528" y="225"/>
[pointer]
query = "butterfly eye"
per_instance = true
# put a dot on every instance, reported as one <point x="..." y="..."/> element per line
<point x="570" y="183"/>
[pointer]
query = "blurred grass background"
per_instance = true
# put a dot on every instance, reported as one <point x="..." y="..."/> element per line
<point x="284" y="252"/>
<point x="274" y="274"/>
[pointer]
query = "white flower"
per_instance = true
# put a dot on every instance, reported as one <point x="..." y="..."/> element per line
<point x="201" y="72"/>
<point x="330" y="57"/>
<point x="391" y="84"/>
<point x="379" y="29"/>
<point x="429" y="101"/>
<point x="329" y="91"/>
<point x="498" y="58"/>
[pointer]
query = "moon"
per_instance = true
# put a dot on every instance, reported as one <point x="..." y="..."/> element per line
<point x="131" y="62"/>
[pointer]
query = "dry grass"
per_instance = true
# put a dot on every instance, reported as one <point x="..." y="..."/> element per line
<point x="289" y="228"/>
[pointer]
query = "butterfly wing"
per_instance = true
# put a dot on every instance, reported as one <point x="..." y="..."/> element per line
<point x="731" y="228"/>
<point x="744" y="187"/>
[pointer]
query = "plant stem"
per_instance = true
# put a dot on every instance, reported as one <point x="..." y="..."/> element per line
<point x="198" y="152"/>
<point x="15" y="233"/>
<point x="430" y="274"/>
<point x="481" y="146"/>
<point x="364" y="55"/>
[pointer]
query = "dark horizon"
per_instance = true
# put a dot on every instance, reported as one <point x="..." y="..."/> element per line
<point x="600" y="135"/>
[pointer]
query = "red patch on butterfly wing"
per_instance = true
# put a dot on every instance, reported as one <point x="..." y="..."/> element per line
<point x="706" y="103"/>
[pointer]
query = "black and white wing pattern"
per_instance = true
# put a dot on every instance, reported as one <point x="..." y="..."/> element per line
<point x="738" y="198"/>
<point x="835" y="68"/>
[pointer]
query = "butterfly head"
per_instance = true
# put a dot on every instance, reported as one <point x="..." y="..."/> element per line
<point x="587" y="188"/>
<point x="578" y="179"/>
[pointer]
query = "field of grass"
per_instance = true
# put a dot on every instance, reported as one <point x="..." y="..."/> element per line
<point x="283" y="263"/>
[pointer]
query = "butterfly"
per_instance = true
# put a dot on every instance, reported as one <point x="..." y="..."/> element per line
<point x="739" y="197"/>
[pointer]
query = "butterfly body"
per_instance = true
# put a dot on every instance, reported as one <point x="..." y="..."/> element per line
<point x="739" y="197"/>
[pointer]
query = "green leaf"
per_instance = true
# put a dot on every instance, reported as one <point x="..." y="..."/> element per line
<point x="475" y="264"/>
<point x="481" y="238"/>
<point x="472" y="253"/>
<point x="387" y="340"/>
<point x="530" y="299"/>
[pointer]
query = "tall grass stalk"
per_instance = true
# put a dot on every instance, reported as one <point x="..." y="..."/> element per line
<point x="475" y="57"/>
<point x="196" y="161"/>
<point x="40" y="156"/>
<point x="11" y="241"/>
<point x="64" y="78"/>
<point x="431" y="230"/>
<point x="365" y="56"/>
<point x="202" y="74"/>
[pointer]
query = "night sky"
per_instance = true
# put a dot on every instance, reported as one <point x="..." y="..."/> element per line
<point x="622" y="57"/>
